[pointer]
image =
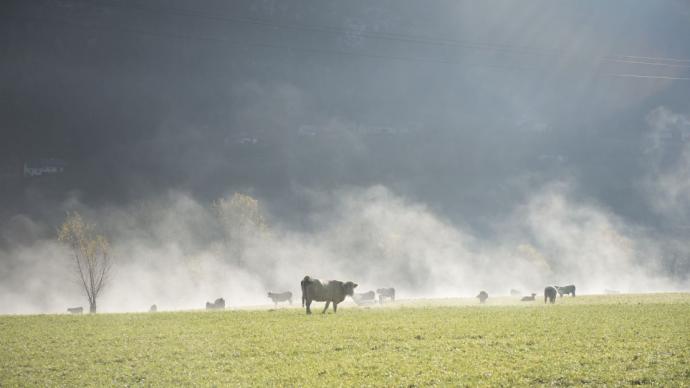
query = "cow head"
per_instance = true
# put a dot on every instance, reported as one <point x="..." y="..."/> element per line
<point x="349" y="288"/>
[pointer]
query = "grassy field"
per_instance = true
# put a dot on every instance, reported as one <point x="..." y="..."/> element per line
<point x="598" y="340"/>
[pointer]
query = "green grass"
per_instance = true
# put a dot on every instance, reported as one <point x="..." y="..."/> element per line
<point x="597" y="340"/>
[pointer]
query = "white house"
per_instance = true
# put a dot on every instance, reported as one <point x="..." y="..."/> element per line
<point x="44" y="166"/>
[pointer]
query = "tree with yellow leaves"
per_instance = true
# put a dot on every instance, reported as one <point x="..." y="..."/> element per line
<point x="241" y="219"/>
<point x="90" y="255"/>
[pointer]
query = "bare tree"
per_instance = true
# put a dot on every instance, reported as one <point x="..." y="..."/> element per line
<point x="90" y="255"/>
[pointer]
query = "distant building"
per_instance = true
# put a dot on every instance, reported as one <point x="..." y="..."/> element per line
<point x="44" y="166"/>
<point x="243" y="138"/>
<point x="339" y="127"/>
<point x="248" y="140"/>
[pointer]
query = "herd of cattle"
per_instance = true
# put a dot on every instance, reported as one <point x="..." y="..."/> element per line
<point x="550" y="293"/>
<point x="335" y="291"/>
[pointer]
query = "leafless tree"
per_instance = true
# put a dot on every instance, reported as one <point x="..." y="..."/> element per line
<point x="90" y="255"/>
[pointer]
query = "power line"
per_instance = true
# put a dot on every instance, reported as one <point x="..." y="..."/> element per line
<point x="235" y="43"/>
<point x="647" y="76"/>
<point x="639" y="60"/>
<point x="657" y="58"/>
<point x="321" y="28"/>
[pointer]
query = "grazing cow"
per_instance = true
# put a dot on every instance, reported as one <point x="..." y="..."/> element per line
<point x="528" y="298"/>
<point x="75" y="310"/>
<point x="569" y="289"/>
<point x="514" y="292"/>
<point x="483" y="296"/>
<point x="611" y="292"/>
<point x="386" y="293"/>
<point x="219" y="304"/>
<point x="280" y="297"/>
<point x="364" y="297"/>
<point x="327" y="291"/>
<point x="550" y="294"/>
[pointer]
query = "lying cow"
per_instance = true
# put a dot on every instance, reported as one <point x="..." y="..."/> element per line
<point x="386" y="293"/>
<point x="483" y="296"/>
<point x="327" y="291"/>
<point x="75" y="310"/>
<point x="280" y="297"/>
<point x="550" y="294"/>
<point x="528" y="298"/>
<point x="569" y="289"/>
<point x="219" y="304"/>
<point x="364" y="297"/>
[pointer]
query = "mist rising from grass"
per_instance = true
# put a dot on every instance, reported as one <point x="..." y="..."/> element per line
<point x="175" y="253"/>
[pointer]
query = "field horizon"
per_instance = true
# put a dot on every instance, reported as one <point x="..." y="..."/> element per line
<point x="591" y="339"/>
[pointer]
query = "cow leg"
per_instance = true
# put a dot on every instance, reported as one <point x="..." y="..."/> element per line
<point x="290" y="300"/>
<point x="328" y="303"/>
<point x="335" y="307"/>
<point x="308" y="306"/>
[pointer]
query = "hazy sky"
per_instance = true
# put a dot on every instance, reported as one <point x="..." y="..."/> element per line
<point x="474" y="110"/>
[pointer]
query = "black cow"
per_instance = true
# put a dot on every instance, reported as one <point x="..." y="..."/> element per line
<point x="327" y="291"/>
<point x="280" y="297"/>
<point x="483" y="296"/>
<point x="550" y="294"/>
<point x="569" y="289"/>
<point x="218" y="304"/>
<point x="386" y="293"/>
<point x="528" y="298"/>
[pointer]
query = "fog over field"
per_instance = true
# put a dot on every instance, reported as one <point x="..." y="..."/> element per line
<point x="440" y="149"/>
<point x="172" y="252"/>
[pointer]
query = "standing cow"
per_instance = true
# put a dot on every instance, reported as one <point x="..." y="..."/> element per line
<point x="386" y="293"/>
<point x="364" y="298"/>
<point x="569" y="289"/>
<point x="483" y="296"/>
<point x="327" y="291"/>
<point x="280" y="297"/>
<point x="550" y="294"/>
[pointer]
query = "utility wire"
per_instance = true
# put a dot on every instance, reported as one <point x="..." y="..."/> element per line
<point x="640" y="60"/>
<point x="647" y="76"/>
<point x="235" y="43"/>
<point x="320" y="28"/>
